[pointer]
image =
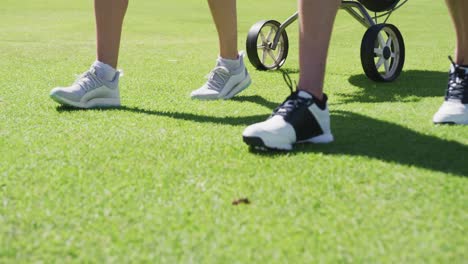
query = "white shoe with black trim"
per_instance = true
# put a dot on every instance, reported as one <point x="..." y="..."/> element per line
<point x="89" y="91"/>
<point x="224" y="83"/>
<point x="296" y="120"/>
<point x="454" y="110"/>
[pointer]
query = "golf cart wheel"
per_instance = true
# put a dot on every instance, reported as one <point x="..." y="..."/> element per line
<point x="382" y="53"/>
<point x="379" y="5"/>
<point x="259" y="45"/>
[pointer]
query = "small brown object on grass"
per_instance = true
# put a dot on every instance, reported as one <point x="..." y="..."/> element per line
<point x="241" y="201"/>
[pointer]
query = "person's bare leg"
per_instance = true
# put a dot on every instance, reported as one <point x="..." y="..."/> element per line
<point x="109" y="19"/>
<point x="87" y="92"/>
<point x="316" y="19"/>
<point x="229" y="77"/>
<point x="304" y="115"/>
<point x="224" y="15"/>
<point x="458" y="10"/>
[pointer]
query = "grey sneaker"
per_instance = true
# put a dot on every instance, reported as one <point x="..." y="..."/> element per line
<point x="89" y="91"/>
<point x="224" y="84"/>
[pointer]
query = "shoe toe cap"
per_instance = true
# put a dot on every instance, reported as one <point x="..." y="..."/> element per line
<point x="274" y="132"/>
<point x="204" y="93"/>
<point x="61" y="93"/>
<point x="253" y="130"/>
<point x="451" y="112"/>
<point x="55" y="91"/>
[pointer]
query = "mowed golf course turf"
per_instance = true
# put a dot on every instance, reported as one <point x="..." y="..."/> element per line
<point x="155" y="180"/>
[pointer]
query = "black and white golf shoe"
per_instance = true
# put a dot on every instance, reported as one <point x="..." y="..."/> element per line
<point x="454" y="110"/>
<point x="299" y="119"/>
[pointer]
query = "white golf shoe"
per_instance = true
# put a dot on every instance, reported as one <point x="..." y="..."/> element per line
<point x="296" y="120"/>
<point x="454" y="110"/>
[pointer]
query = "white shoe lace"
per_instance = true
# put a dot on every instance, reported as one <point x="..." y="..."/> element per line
<point x="215" y="83"/>
<point x="88" y="81"/>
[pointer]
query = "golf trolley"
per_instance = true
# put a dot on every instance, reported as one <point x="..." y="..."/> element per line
<point x="382" y="47"/>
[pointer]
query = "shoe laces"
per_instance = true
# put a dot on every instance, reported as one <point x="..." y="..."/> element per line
<point x="217" y="78"/>
<point x="458" y="82"/>
<point x="88" y="80"/>
<point x="293" y="101"/>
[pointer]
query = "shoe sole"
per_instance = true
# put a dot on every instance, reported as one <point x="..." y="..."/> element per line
<point x="239" y="88"/>
<point x="93" y="103"/>
<point x="205" y="97"/>
<point x="451" y="122"/>
<point x="259" y="143"/>
<point x="444" y="123"/>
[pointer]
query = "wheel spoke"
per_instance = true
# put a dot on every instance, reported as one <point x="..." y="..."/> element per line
<point x="379" y="63"/>
<point x="387" y="66"/>
<point x="393" y="55"/>
<point x="378" y="52"/>
<point x="264" y="55"/>
<point x="269" y="33"/>
<point x="260" y="46"/>
<point x="262" y="37"/>
<point x="272" y="55"/>
<point x="389" y="42"/>
<point x="381" y="40"/>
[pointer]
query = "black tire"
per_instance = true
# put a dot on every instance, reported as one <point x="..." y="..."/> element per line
<point x="378" y="5"/>
<point x="258" y="46"/>
<point x="388" y="52"/>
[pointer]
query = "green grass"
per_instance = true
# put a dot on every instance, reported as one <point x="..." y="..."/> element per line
<point x="155" y="180"/>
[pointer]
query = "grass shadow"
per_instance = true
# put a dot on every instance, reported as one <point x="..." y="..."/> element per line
<point x="256" y="99"/>
<point x="227" y="120"/>
<point x="411" y="86"/>
<point x="356" y="135"/>
<point x="286" y="70"/>
<point x="359" y="135"/>
<point x="282" y="70"/>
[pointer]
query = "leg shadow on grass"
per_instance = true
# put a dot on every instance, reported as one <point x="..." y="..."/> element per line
<point x="286" y="70"/>
<point x="256" y="99"/>
<point x="359" y="135"/>
<point x="355" y="135"/>
<point x="410" y="86"/>
<point x="227" y="120"/>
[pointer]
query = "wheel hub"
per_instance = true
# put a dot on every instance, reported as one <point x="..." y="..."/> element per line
<point x="387" y="53"/>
